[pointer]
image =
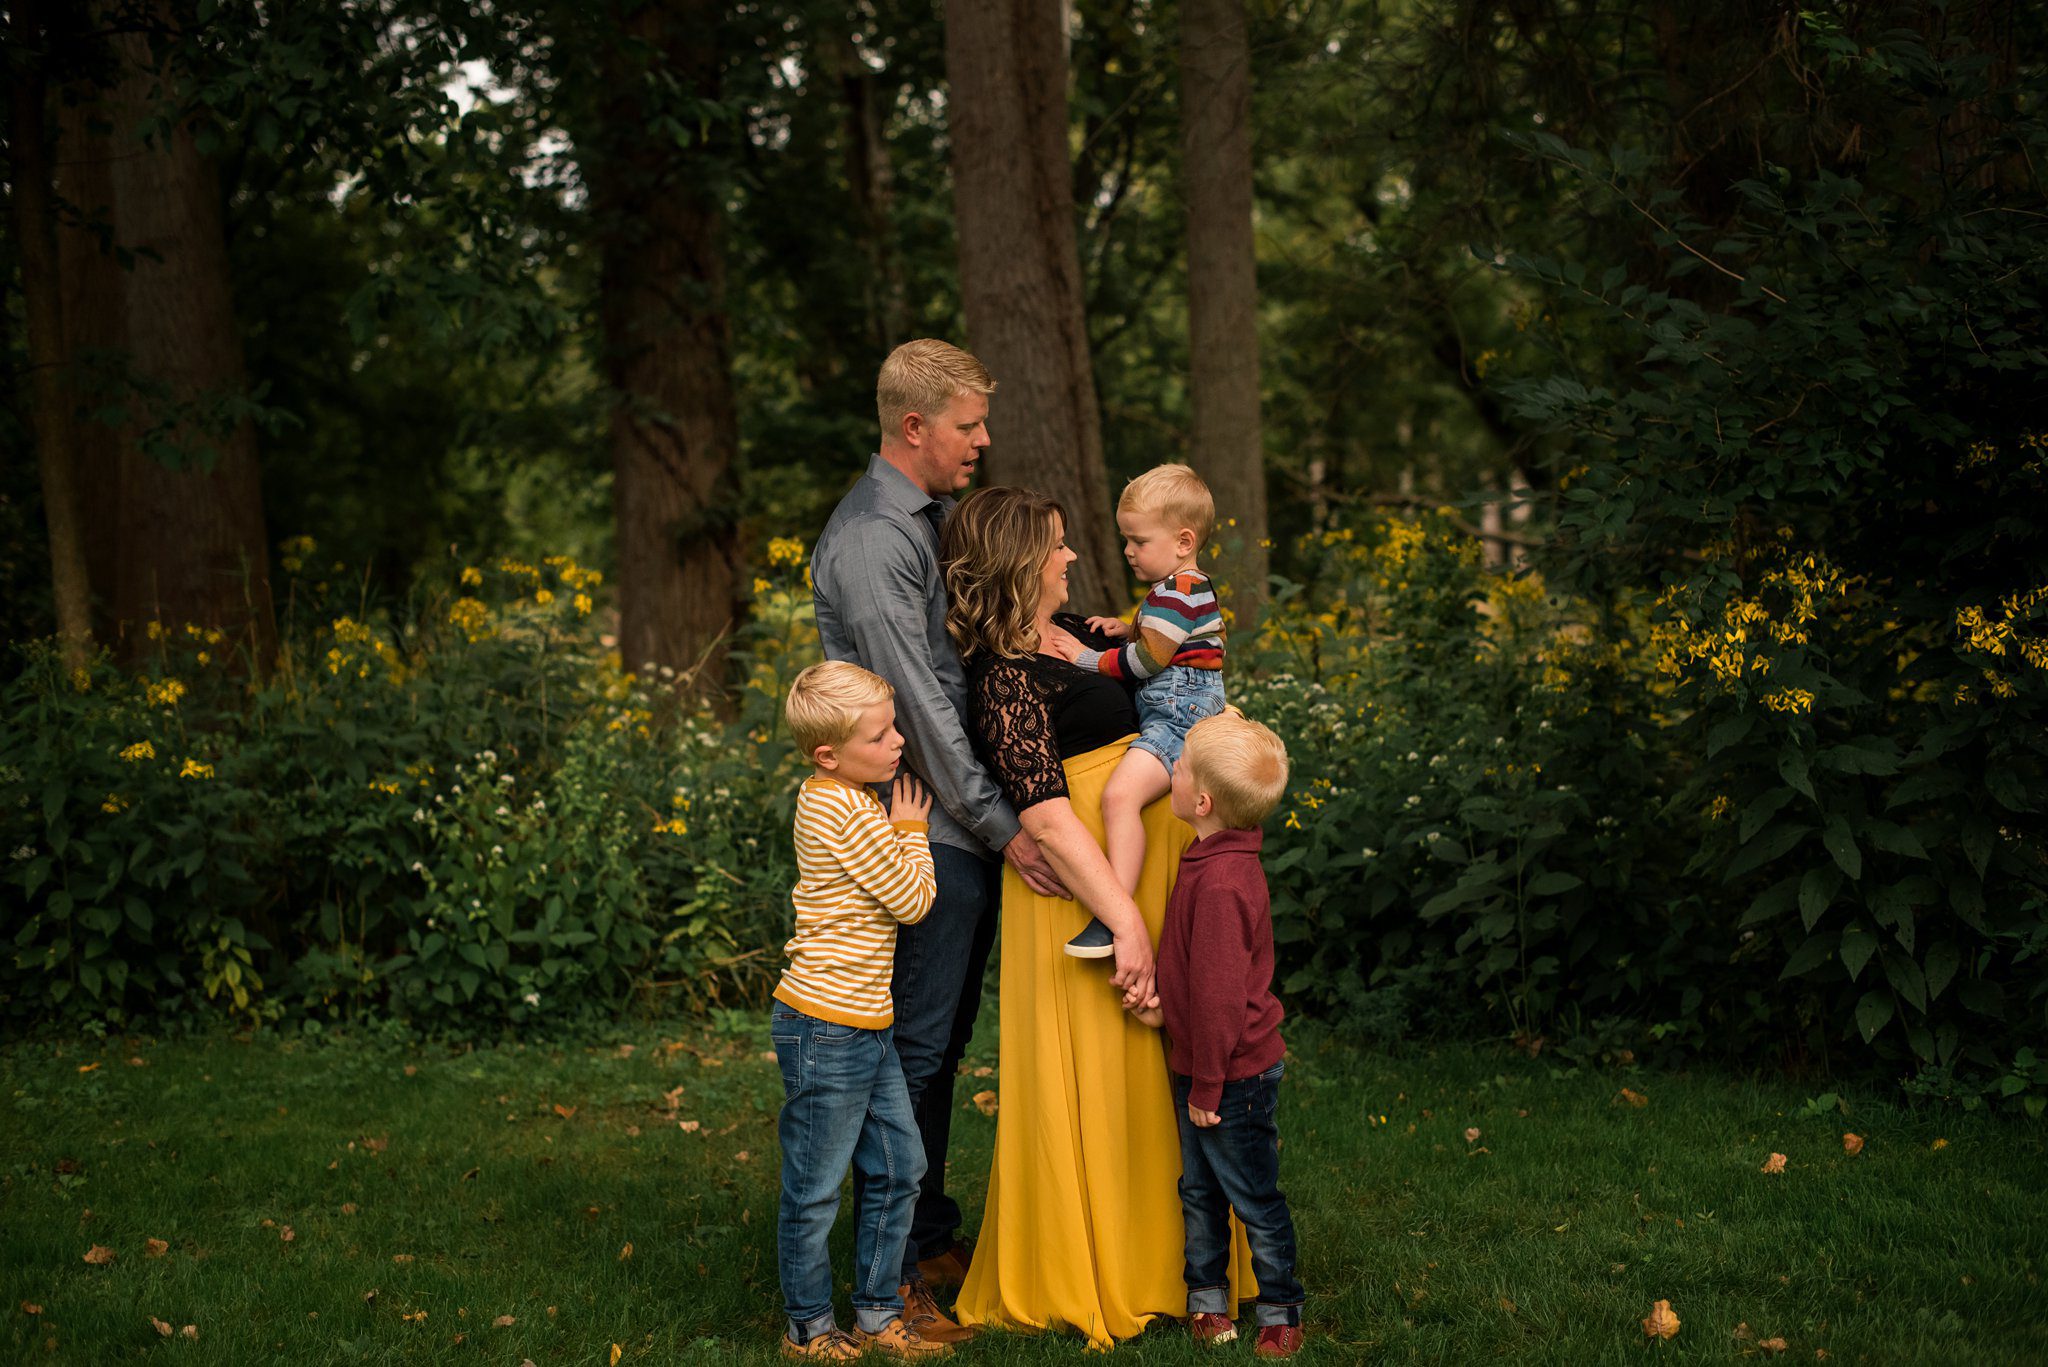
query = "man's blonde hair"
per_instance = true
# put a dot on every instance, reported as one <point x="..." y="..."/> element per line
<point x="922" y="377"/>
<point x="1176" y="495"/>
<point x="826" y="701"/>
<point x="1240" y="764"/>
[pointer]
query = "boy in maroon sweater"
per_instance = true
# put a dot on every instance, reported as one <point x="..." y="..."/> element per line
<point x="1215" y="999"/>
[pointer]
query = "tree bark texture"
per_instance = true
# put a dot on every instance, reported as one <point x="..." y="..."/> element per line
<point x="667" y="342"/>
<point x="1020" y="272"/>
<point x="186" y="525"/>
<point x="1223" y="338"/>
<point x="872" y="181"/>
<point x="35" y="234"/>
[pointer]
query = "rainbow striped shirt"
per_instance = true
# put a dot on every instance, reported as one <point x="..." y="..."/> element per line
<point x="1179" y="623"/>
<point x="858" y="876"/>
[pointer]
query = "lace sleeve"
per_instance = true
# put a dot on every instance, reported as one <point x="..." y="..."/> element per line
<point x="1013" y="726"/>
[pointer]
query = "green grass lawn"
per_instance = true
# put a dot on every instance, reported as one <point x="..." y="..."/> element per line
<point x="366" y="1202"/>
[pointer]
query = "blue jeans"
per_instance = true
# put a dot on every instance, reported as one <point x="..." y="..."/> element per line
<point x="937" y="989"/>
<point x="1169" y="703"/>
<point x="843" y="1101"/>
<point x="1235" y="1165"/>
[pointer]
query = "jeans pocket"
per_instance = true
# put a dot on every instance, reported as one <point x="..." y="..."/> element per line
<point x="789" y="1053"/>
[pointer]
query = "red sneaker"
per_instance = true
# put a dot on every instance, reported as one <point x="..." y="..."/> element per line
<point x="1211" y="1330"/>
<point x="1278" y="1341"/>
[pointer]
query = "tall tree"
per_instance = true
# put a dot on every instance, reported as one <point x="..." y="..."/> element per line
<point x="667" y="344"/>
<point x="34" y="215"/>
<point x="1020" y="269"/>
<point x="189" y="532"/>
<point x="1223" y="339"/>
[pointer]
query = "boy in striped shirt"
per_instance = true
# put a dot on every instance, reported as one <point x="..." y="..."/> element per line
<point x="860" y="872"/>
<point x="1173" y="653"/>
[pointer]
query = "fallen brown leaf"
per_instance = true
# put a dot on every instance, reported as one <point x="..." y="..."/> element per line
<point x="190" y="1331"/>
<point x="377" y="1145"/>
<point x="632" y="1131"/>
<point x="370" y="1296"/>
<point x="1775" y="1163"/>
<point x="99" y="1255"/>
<point x="1852" y="1144"/>
<point x="1634" y="1098"/>
<point x="617" y="1353"/>
<point x="564" y="1111"/>
<point x="742" y="1157"/>
<point x="1743" y="1333"/>
<point x="413" y="1316"/>
<point x="503" y="1322"/>
<point x="1937" y="1146"/>
<point x="87" y="1067"/>
<point x="471" y="1173"/>
<point x="163" y="1329"/>
<point x="985" y="1102"/>
<point x="412" y="1069"/>
<point x="1773" y="1345"/>
<point x="1507" y="1305"/>
<point x="138" y="1062"/>
<point x="984" y="1071"/>
<point x="1472" y="1134"/>
<point x="31" y="1308"/>
<point x="401" y="1257"/>
<point x="156" y="1248"/>
<point x="348" y="1207"/>
<point x="627" y="1251"/>
<point x="1661" y="1323"/>
<point x="287" y="1234"/>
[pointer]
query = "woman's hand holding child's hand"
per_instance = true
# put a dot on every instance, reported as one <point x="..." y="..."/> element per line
<point x="909" y="800"/>
<point x="1116" y="628"/>
<point x="1149" y="1013"/>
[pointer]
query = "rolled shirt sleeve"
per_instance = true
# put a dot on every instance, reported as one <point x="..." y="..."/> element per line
<point x="874" y="599"/>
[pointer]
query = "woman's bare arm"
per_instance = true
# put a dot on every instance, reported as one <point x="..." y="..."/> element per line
<point x="1085" y="870"/>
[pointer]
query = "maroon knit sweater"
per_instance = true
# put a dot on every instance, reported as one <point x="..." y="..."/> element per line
<point x="1216" y="967"/>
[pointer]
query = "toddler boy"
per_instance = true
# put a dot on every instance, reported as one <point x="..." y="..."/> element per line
<point x="860" y="871"/>
<point x="1174" y="653"/>
<point x="1223" y="1026"/>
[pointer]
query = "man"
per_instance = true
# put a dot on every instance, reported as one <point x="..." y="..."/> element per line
<point x="881" y="604"/>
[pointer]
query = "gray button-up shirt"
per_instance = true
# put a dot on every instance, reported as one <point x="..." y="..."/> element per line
<point x="875" y="580"/>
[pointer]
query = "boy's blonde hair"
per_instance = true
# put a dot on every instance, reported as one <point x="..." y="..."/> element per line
<point x="1176" y="494"/>
<point x="922" y="377"/>
<point x="1240" y="764"/>
<point x="826" y="701"/>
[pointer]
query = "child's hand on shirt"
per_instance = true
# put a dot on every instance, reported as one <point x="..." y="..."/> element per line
<point x="1116" y="628"/>
<point x="1204" y="1120"/>
<point x="909" y="800"/>
<point x="1064" y="645"/>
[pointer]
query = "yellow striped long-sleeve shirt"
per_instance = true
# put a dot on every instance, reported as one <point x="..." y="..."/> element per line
<point x="858" y="876"/>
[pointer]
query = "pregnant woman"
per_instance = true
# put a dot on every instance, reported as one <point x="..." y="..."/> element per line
<point x="1083" y="1226"/>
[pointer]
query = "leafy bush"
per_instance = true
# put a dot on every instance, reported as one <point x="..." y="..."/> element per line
<point x="456" y="810"/>
<point x="1831" y="477"/>
<point x="1473" y="839"/>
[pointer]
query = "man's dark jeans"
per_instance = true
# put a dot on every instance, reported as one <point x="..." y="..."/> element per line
<point x="1235" y="1165"/>
<point x="940" y="962"/>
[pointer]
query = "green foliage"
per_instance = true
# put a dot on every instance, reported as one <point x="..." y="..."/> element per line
<point x="1832" y="477"/>
<point x="457" y="811"/>
<point x="1473" y="836"/>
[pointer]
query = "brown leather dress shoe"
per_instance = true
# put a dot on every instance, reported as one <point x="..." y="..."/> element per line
<point x="948" y="1268"/>
<point x="898" y="1340"/>
<point x="921" y="1311"/>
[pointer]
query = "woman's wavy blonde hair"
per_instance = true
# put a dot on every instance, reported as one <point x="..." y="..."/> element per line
<point x="991" y="555"/>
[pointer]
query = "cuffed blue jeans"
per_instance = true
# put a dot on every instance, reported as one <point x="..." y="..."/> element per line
<point x="843" y="1102"/>
<point x="936" y="984"/>
<point x="1235" y="1165"/>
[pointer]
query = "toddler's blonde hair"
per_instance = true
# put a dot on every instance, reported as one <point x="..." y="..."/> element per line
<point x="826" y="701"/>
<point x="1240" y="764"/>
<point x="1176" y="494"/>
<point x="922" y="377"/>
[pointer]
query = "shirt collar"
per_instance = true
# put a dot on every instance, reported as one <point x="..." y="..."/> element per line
<point x="1227" y="842"/>
<point x="899" y="493"/>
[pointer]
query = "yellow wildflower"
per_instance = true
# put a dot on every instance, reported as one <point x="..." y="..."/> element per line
<point x="165" y="693"/>
<point x="471" y="616"/>
<point x="472" y="577"/>
<point x="194" y="769"/>
<point x="785" y="550"/>
<point x="141" y="750"/>
<point x="114" y="804"/>
<point x="583" y="604"/>
<point x="543" y="596"/>
<point x="672" y="826"/>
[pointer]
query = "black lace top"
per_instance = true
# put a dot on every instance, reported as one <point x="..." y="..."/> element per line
<point x="1032" y="712"/>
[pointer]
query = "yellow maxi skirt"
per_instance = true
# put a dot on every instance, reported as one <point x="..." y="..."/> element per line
<point x="1083" y="1226"/>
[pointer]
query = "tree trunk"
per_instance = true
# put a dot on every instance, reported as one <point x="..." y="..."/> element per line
<point x="190" y="523"/>
<point x="1020" y="272"/>
<point x="872" y="182"/>
<point x="1223" y="324"/>
<point x="34" y="228"/>
<point x="674" y="429"/>
<point x="93" y="284"/>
